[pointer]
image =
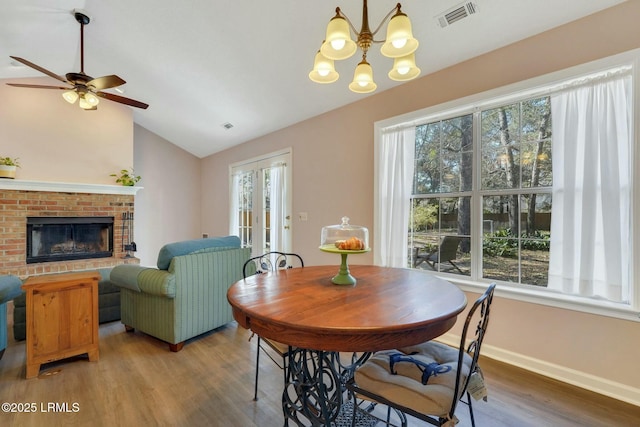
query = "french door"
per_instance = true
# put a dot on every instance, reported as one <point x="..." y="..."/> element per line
<point x="261" y="202"/>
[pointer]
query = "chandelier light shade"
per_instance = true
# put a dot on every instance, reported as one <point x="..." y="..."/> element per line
<point x="400" y="41"/>
<point x="404" y="68"/>
<point x="338" y="44"/>
<point x="323" y="70"/>
<point x="363" y="78"/>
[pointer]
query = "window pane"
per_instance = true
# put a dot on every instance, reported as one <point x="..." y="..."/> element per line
<point x="424" y="216"/>
<point x="423" y="234"/>
<point x="536" y="119"/>
<point x="500" y="251"/>
<point x="500" y="259"/>
<point x="516" y="145"/>
<point x="427" y="159"/>
<point x="439" y="238"/>
<point x="444" y="156"/>
<point x="494" y="168"/>
<point x="500" y="126"/>
<point x="521" y="256"/>
<point x="536" y="215"/>
<point x="244" y="194"/>
<point x="451" y="172"/>
<point x="447" y="256"/>
<point x="535" y="262"/>
<point x="536" y="164"/>
<point x="534" y="246"/>
<point x="499" y="214"/>
<point x="448" y="218"/>
<point x="452" y="134"/>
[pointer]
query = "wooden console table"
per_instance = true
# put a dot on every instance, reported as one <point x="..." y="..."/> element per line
<point x="62" y="317"/>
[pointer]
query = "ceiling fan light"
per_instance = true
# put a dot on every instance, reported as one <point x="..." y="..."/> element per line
<point x="399" y="41"/>
<point x="323" y="70"/>
<point x="70" y="96"/>
<point x="338" y="44"/>
<point x="363" y="79"/>
<point x="84" y="104"/>
<point x="404" y="68"/>
<point x="91" y="99"/>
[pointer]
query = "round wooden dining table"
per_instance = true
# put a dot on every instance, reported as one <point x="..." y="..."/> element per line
<point x="387" y="308"/>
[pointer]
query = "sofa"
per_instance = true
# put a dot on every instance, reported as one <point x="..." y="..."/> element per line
<point x="186" y="295"/>
<point x="108" y="305"/>
<point x="10" y="288"/>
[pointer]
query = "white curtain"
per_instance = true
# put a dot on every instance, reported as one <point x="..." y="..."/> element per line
<point x="590" y="220"/>
<point x="277" y="200"/>
<point x="394" y="164"/>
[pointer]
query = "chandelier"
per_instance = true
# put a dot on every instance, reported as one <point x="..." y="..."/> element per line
<point x="399" y="45"/>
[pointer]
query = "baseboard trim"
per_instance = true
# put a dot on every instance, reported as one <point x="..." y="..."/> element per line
<point x="580" y="379"/>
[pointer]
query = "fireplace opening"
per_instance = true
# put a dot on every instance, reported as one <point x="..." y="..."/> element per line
<point x="52" y="239"/>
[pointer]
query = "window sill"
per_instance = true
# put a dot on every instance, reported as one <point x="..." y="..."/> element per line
<point x="567" y="302"/>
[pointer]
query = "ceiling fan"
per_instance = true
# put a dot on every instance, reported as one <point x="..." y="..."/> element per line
<point x="83" y="87"/>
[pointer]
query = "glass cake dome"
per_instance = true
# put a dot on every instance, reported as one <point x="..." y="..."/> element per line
<point x="345" y="237"/>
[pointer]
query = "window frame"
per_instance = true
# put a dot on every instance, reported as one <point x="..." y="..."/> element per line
<point x="537" y="86"/>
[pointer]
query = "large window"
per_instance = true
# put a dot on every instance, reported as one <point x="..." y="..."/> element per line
<point x="531" y="188"/>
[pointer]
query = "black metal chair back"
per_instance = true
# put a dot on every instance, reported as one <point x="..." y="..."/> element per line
<point x="483" y="304"/>
<point x="270" y="261"/>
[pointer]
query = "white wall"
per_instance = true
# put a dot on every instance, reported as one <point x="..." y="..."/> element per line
<point x="57" y="141"/>
<point x="168" y="207"/>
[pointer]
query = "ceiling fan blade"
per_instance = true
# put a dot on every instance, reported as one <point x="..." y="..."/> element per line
<point x="122" y="100"/>
<point x="106" y="82"/>
<point x="39" y="68"/>
<point x="40" y="86"/>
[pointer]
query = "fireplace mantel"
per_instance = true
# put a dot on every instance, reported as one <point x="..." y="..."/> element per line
<point x="66" y="187"/>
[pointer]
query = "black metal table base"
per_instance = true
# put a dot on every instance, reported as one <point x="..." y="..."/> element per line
<point x="314" y="393"/>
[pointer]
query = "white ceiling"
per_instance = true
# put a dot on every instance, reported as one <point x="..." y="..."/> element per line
<point x="202" y="63"/>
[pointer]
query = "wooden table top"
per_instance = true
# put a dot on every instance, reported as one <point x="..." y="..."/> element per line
<point x="387" y="308"/>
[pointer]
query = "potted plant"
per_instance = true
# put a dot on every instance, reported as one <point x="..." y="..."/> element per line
<point x="8" y="167"/>
<point x="127" y="177"/>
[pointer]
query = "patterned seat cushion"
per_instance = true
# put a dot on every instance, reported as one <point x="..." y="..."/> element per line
<point x="406" y="387"/>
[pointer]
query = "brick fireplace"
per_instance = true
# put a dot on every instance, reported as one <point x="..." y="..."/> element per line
<point x="22" y="200"/>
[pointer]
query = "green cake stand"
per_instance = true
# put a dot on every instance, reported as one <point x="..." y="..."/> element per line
<point x="343" y="277"/>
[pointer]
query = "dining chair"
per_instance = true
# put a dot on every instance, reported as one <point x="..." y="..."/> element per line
<point x="427" y="380"/>
<point x="276" y="351"/>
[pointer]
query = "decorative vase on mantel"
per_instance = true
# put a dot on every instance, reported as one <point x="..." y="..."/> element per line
<point x="8" y="171"/>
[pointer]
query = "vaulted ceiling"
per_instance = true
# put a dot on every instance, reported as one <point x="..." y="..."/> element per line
<point x="202" y="64"/>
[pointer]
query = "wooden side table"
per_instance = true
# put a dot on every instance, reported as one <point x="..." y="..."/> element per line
<point x="62" y="317"/>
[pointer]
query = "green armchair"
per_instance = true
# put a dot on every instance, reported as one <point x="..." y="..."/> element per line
<point x="187" y="294"/>
<point x="9" y="289"/>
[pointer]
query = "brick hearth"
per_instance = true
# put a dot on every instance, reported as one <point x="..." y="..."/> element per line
<point x="17" y="205"/>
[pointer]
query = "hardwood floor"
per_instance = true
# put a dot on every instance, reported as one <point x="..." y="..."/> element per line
<point x="139" y="382"/>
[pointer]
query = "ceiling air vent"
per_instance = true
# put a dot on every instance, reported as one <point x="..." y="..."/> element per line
<point x="457" y="13"/>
